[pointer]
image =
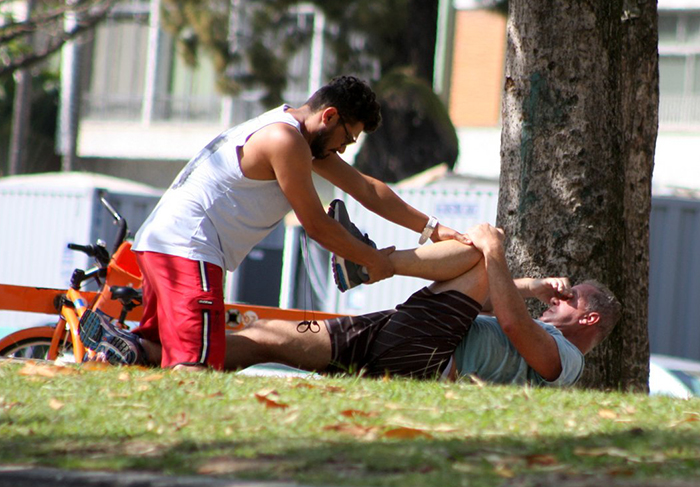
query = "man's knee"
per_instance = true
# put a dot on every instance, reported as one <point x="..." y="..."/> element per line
<point x="473" y="283"/>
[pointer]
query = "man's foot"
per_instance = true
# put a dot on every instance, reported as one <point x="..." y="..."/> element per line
<point x="112" y="344"/>
<point x="347" y="274"/>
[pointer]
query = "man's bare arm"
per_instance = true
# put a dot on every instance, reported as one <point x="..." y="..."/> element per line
<point x="378" y="198"/>
<point x="290" y="160"/>
<point x="536" y="346"/>
<point x="543" y="289"/>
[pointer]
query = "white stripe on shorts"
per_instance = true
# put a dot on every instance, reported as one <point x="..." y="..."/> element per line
<point x="203" y="276"/>
<point x="205" y="337"/>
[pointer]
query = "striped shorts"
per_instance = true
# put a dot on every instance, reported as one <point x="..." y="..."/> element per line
<point x="416" y="339"/>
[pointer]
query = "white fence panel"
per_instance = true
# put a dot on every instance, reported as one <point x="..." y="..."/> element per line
<point x="456" y="208"/>
<point x="39" y="218"/>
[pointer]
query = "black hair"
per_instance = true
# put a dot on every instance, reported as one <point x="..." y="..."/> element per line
<point x="353" y="98"/>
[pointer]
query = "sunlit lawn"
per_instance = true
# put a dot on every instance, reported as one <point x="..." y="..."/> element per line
<point x="339" y="431"/>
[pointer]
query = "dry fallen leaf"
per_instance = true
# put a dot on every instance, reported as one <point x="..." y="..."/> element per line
<point x="151" y="378"/>
<point x="303" y="385"/>
<point x="291" y="418"/>
<point x="687" y="419"/>
<point x="49" y="371"/>
<point x="620" y="472"/>
<point x="8" y="405"/>
<point x="55" y="404"/>
<point x="267" y="392"/>
<point x="181" y="422"/>
<point x="94" y="365"/>
<point x="123" y="377"/>
<point x="333" y="389"/>
<point x="405" y="433"/>
<point x="115" y="395"/>
<point x="542" y="460"/>
<point x="610" y="451"/>
<point x="269" y="398"/>
<point x="366" y="432"/>
<point x="351" y="413"/>
<point x="607" y="414"/>
<point x="450" y="395"/>
<point x="503" y="471"/>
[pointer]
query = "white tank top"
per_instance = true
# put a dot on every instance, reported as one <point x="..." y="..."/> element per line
<point x="212" y="212"/>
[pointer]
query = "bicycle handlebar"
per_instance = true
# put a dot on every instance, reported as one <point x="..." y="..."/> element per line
<point x="98" y="251"/>
<point x="121" y="222"/>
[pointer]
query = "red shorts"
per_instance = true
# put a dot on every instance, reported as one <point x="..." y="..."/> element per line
<point x="183" y="309"/>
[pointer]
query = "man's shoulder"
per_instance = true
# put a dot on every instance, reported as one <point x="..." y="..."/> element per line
<point x="278" y="137"/>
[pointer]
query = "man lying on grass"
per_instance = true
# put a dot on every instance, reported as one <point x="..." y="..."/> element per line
<point x="438" y="331"/>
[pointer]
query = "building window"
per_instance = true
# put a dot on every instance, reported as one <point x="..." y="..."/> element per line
<point x="679" y="69"/>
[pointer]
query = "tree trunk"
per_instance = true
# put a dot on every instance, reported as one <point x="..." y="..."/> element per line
<point x="567" y="189"/>
<point x="21" y="110"/>
<point x="640" y="110"/>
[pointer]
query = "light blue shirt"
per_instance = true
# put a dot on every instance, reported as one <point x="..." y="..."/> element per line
<point x="487" y="353"/>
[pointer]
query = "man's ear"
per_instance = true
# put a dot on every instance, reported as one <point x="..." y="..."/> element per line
<point x="328" y="113"/>
<point x="590" y="318"/>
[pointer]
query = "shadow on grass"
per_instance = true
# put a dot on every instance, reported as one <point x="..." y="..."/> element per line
<point x="633" y="457"/>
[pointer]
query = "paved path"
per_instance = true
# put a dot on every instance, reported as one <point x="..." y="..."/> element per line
<point x="22" y="476"/>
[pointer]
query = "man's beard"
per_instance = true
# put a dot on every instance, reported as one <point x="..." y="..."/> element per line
<point x="319" y="149"/>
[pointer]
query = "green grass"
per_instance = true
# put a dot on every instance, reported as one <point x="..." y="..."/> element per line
<point x="397" y="432"/>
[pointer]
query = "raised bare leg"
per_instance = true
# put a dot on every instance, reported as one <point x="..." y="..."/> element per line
<point x="440" y="261"/>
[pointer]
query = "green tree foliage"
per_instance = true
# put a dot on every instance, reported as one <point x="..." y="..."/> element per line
<point x="48" y="30"/>
<point x="361" y="34"/>
<point x="251" y="48"/>
<point x="416" y="134"/>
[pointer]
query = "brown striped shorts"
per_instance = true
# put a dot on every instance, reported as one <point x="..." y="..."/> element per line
<point x="416" y="339"/>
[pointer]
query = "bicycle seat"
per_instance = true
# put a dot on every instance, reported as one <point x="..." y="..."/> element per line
<point x="126" y="294"/>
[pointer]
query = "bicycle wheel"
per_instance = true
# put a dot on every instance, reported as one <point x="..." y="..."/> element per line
<point x="29" y="348"/>
<point x="33" y="343"/>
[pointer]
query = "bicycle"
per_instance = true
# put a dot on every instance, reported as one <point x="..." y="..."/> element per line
<point x="118" y="278"/>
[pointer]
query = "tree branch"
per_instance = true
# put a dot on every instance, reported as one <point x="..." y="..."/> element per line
<point x="97" y="12"/>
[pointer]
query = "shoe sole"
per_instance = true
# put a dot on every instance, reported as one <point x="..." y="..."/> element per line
<point x="117" y="352"/>
<point x="339" y="275"/>
<point x="90" y="330"/>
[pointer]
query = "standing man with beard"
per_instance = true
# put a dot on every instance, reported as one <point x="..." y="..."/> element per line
<point x="235" y="191"/>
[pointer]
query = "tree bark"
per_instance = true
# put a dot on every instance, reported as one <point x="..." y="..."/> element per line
<point x="640" y="113"/>
<point x="570" y="201"/>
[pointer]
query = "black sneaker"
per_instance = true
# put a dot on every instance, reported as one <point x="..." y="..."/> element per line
<point x="347" y="274"/>
<point x="117" y="346"/>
